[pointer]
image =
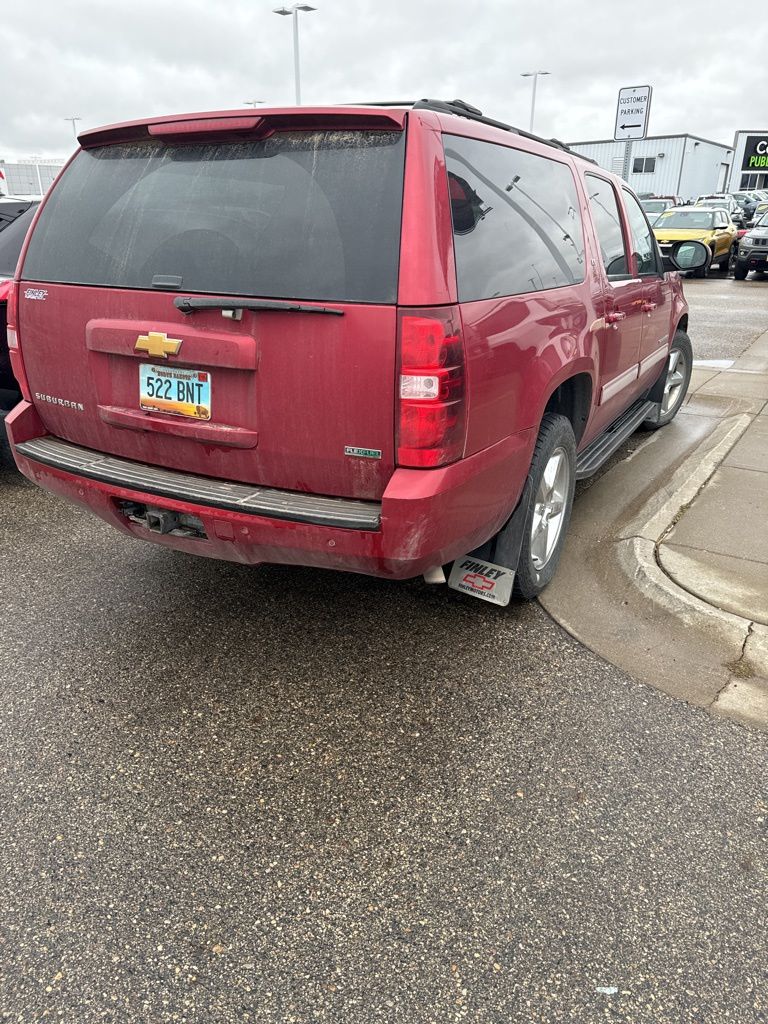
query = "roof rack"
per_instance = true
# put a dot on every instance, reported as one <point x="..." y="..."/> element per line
<point x="463" y="109"/>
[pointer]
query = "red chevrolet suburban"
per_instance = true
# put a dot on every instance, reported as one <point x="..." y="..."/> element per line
<point x="374" y="339"/>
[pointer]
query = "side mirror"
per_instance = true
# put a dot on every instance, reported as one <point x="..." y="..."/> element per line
<point x="687" y="256"/>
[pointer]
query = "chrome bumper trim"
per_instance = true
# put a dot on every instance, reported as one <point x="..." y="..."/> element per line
<point x="343" y="513"/>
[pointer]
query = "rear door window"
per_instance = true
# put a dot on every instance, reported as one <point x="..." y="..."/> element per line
<point x="516" y="221"/>
<point x="310" y="215"/>
<point x="607" y="220"/>
<point x="643" y="242"/>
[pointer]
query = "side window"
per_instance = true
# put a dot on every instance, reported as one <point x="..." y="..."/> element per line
<point x="607" y="220"/>
<point x="643" y="243"/>
<point x="516" y="221"/>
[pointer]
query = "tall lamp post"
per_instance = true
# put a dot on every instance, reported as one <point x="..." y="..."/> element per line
<point x="293" y="12"/>
<point x="252" y="103"/>
<point x="74" y="121"/>
<point x="535" y="76"/>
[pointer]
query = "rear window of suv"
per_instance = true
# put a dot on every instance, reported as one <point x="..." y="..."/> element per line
<point x="305" y="215"/>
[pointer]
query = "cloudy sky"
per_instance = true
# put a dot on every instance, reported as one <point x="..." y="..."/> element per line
<point x="114" y="60"/>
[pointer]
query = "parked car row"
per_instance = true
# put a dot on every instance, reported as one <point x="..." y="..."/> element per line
<point x="744" y="208"/>
<point x="733" y="227"/>
<point x="391" y="348"/>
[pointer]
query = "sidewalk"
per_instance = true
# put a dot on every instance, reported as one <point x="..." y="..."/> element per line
<point x="718" y="549"/>
<point x="665" y="573"/>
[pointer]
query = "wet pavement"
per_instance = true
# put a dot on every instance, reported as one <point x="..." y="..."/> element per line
<point x="283" y="795"/>
<point x="726" y="315"/>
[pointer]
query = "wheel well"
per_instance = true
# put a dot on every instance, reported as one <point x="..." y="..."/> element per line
<point x="683" y="325"/>
<point x="573" y="399"/>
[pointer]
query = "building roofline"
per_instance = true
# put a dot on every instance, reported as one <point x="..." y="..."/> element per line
<point x="679" y="135"/>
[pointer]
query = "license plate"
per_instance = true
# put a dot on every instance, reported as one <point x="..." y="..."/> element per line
<point x="174" y="390"/>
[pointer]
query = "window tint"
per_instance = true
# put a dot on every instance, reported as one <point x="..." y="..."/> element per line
<point x="643" y="243"/>
<point x="607" y="220"/>
<point x="516" y="221"/>
<point x="309" y="215"/>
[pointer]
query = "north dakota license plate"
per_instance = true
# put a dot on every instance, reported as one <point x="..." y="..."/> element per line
<point x="175" y="390"/>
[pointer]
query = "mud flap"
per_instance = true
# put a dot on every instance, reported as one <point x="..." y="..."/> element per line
<point x="485" y="580"/>
<point x="488" y="572"/>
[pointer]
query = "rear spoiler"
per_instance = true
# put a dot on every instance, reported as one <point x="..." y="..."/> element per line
<point x="238" y="124"/>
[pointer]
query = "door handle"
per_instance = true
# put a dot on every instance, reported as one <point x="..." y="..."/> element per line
<point x="648" y="307"/>
<point x="615" y="317"/>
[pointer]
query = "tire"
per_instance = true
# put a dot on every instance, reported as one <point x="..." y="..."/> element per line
<point x="677" y="374"/>
<point x="724" y="265"/>
<point x="740" y="272"/>
<point x="544" y="531"/>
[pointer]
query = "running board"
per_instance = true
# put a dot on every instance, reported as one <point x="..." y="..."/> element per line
<point x="602" y="448"/>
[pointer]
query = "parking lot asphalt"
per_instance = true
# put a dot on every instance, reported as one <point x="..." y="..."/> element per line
<point x="726" y="315"/>
<point x="283" y="795"/>
<point x="286" y="795"/>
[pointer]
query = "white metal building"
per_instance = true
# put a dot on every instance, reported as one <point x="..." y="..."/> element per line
<point x="31" y="177"/>
<point x="667" y="165"/>
<point x="750" y="163"/>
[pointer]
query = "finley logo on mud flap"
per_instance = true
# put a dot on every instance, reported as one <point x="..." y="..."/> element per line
<point x="480" y="579"/>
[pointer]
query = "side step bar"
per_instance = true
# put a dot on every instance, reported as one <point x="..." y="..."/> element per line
<point x="603" y="447"/>
<point x="345" y="513"/>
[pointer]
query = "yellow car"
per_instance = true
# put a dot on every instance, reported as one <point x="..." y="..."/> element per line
<point x="713" y="227"/>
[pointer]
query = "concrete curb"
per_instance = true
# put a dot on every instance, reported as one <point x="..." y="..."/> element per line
<point x="745" y="696"/>
<point x="667" y="636"/>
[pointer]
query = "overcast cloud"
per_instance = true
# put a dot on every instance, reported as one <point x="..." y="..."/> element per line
<point x="113" y="61"/>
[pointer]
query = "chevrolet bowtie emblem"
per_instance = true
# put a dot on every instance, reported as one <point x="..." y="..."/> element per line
<point x="157" y="344"/>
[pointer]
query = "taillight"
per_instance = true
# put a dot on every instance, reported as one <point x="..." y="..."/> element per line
<point x="433" y="412"/>
<point x="17" y="366"/>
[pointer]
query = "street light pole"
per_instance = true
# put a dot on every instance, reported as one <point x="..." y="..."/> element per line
<point x="74" y="125"/>
<point x="535" y="76"/>
<point x="293" y="12"/>
<point x="252" y="103"/>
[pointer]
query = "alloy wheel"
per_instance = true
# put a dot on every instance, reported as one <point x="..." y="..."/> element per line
<point x="673" y="387"/>
<point x="549" y="508"/>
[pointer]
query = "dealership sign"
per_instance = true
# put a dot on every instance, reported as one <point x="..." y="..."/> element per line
<point x="755" y="153"/>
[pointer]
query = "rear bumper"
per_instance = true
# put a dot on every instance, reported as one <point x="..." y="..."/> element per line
<point x="425" y="518"/>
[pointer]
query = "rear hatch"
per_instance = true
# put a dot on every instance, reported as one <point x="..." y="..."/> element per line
<point x="139" y="248"/>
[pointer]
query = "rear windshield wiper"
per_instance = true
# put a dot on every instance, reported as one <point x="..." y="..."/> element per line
<point x="188" y="304"/>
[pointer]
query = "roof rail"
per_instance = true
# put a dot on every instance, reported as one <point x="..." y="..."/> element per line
<point x="463" y="109"/>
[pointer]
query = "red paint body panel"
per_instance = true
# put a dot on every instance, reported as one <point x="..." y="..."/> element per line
<point x="305" y="385"/>
<point x="427" y="268"/>
<point x="518" y="350"/>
